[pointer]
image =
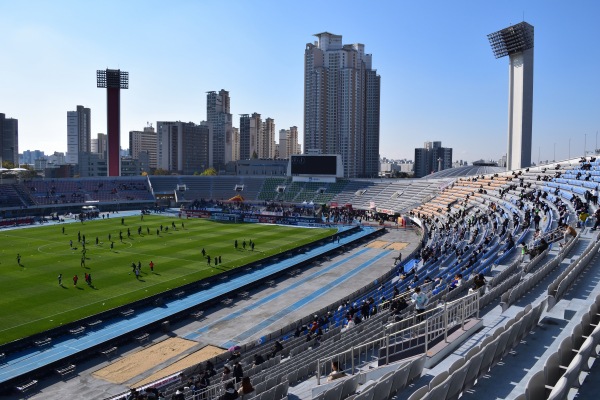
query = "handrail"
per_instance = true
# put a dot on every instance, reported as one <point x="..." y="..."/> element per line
<point x="454" y="313"/>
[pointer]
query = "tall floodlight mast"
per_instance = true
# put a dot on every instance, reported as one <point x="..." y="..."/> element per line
<point x="113" y="80"/>
<point x="516" y="42"/>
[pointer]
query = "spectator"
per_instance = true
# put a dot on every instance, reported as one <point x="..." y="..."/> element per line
<point x="246" y="388"/>
<point x="420" y="301"/>
<point x="258" y="359"/>
<point x="204" y="381"/>
<point x="230" y="392"/>
<point x="178" y="395"/>
<point x="335" y="372"/>
<point x="478" y="284"/>
<point x="583" y="216"/>
<point x="238" y="371"/>
<point x="277" y="347"/>
<point x="210" y="367"/>
<point x="226" y="374"/>
<point x="568" y="231"/>
<point x="456" y="282"/>
<point x="597" y="217"/>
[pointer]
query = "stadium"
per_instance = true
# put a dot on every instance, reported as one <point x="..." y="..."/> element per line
<point x="322" y="308"/>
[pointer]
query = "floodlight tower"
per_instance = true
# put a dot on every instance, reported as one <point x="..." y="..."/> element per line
<point x="113" y="80"/>
<point x="516" y="42"/>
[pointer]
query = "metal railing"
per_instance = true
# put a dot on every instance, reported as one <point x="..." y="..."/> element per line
<point x="405" y="334"/>
<point x="214" y="391"/>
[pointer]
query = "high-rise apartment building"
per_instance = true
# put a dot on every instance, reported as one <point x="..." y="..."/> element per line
<point x="182" y="147"/>
<point x="102" y="147"/>
<point x="100" y="144"/>
<point x="79" y="133"/>
<point x="282" y="146"/>
<point x="432" y="158"/>
<point x="371" y="147"/>
<point x="250" y="127"/>
<point x="218" y="115"/>
<point x="341" y="104"/>
<point x="266" y="139"/>
<point x="235" y="136"/>
<point x="288" y="143"/>
<point x="9" y="139"/>
<point x="293" y="147"/>
<point x="144" y="141"/>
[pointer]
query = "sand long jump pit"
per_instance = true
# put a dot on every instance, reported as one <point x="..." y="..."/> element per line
<point x="378" y="244"/>
<point x="135" y="364"/>
<point x="382" y="244"/>
<point x="398" y="246"/>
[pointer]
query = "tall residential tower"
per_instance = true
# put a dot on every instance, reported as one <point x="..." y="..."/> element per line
<point x="79" y="133"/>
<point x="516" y="42"/>
<point x="218" y="115"/>
<point x="9" y="140"/>
<point x="250" y="128"/>
<point x="341" y="104"/>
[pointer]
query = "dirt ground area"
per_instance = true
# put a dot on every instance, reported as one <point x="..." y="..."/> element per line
<point x="378" y="244"/>
<point x="197" y="357"/>
<point x="135" y="364"/>
<point x="397" y="246"/>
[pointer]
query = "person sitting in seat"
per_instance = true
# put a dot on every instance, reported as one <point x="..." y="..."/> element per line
<point x="246" y="388"/>
<point x="456" y="282"/>
<point x="335" y="372"/>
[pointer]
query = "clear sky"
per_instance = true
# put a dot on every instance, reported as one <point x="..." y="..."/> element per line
<point x="439" y="78"/>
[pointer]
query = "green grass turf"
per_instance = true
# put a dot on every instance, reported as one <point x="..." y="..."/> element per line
<point x="32" y="301"/>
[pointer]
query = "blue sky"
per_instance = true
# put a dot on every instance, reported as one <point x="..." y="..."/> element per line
<point x="439" y="81"/>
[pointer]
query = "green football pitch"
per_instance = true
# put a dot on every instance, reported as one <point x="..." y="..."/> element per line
<point x="32" y="301"/>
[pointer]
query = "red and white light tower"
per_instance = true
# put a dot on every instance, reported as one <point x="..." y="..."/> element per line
<point x="113" y="80"/>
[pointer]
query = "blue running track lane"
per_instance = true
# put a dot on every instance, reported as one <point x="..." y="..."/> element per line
<point x="273" y="296"/>
<point x="302" y="302"/>
<point x="24" y="362"/>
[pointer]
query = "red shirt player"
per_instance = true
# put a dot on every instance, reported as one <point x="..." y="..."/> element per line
<point x="151" y="266"/>
<point x="75" y="279"/>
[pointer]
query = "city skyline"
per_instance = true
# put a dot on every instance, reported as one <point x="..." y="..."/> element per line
<point x="439" y="82"/>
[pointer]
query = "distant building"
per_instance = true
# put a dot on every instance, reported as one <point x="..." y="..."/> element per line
<point x="40" y="164"/>
<point x="282" y="147"/>
<point x="459" y="163"/>
<point x="91" y="164"/>
<point x="58" y="158"/>
<point x="183" y="147"/>
<point x="250" y="127"/>
<point x="79" y="133"/>
<point x="131" y="166"/>
<point x="341" y="104"/>
<point x="9" y="139"/>
<point x="30" y="156"/>
<point x="102" y="144"/>
<point x="218" y="116"/>
<point x="288" y="143"/>
<point x="432" y="158"/>
<point x="235" y="135"/>
<point x="388" y="168"/>
<point x="144" y="141"/>
<point x="266" y="139"/>
<point x="502" y="161"/>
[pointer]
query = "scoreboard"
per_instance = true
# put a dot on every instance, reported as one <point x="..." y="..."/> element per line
<point x="314" y="165"/>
